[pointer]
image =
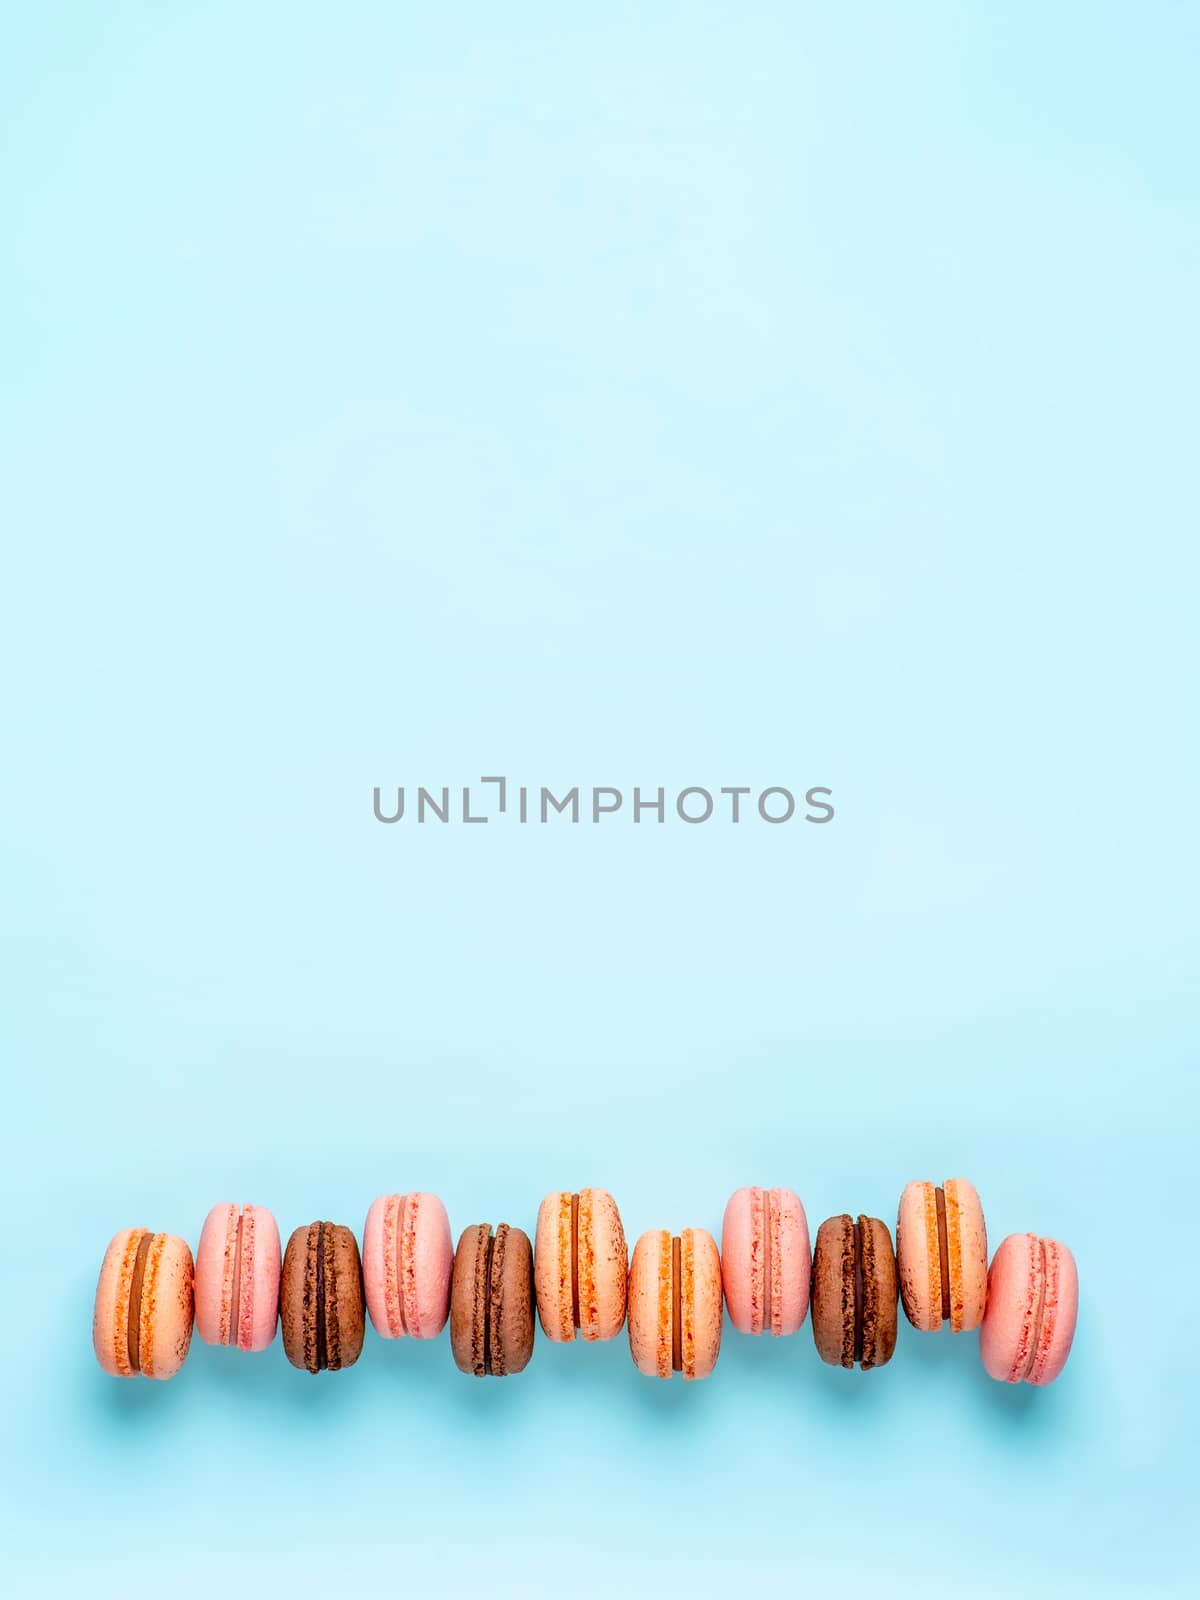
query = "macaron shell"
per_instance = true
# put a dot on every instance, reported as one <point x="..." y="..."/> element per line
<point x="966" y="1234"/>
<point x="880" y="1293"/>
<point x="430" y="1266"/>
<point x="1059" y="1315"/>
<point x="110" y="1319"/>
<point x="552" y="1267"/>
<point x="407" y="1261"/>
<point x="918" y="1256"/>
<point x="700" y="1302"/>
<point x="1032" y="1306"/>
<point x="165" y="1309"/>
<point x="246" y="1313"/>
<point x="512" y="1302"/>
<point x="833" y="1291"/>
<point x="776" y="1218"/>
<point x="347" y="1304"/>
<point x="603" y="1266"/>
<point x="650" y="1304"/>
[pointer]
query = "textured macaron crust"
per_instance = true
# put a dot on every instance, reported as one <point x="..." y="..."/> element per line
<point x="580" y="1265"/>
<point x="675" y="1303"/>
<point x="321" y="1298"/>
<point x="1032" y="1304"/>
<point x="237" y="1277"/>
<point x="766" y="1261"/>
<point x="144" y="1305"/>
<point x="854" y="1292"/>
<point x="407" y="1257"/>
<point x="941" y="1255"/>
<point x="491" y="1301"/>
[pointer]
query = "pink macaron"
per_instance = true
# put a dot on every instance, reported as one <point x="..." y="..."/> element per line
<point x="407" y="1259"/>
<point x="766" y="1261"/>
<point x="237" y="1277"/>
<point x="1032" y="1303"/>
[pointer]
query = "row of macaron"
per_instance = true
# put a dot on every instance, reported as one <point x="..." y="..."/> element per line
<point x="410" y="1281"/>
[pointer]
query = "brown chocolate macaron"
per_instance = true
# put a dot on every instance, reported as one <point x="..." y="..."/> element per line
<point x="491" y="1301"/>
<point x="854" y="1290"/>
<point x="321" y="1298"/>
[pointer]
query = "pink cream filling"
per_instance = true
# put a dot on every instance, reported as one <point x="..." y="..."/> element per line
<point x="1043" y="1336"/>
<point x="775" y="1263"/>
<point x="1031" y="1327"/>
<point x="229" y="1276"/>
<point x="410" y="1314"/>
<point x="237" y="1287"/>
<point x="245" y="1279"/>
<point x="760" y="1248"/>
<point x="393" y="1221"/>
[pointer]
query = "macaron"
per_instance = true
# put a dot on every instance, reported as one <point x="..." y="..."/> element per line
<point x="144" y="1305"/>
<point x="854" y="1292"/>
<point x="941" y="1255"/>
<point x="321" y="1298"/>
<point x="1032" y="1304"/>
<point x="491" y="1301"/>
<point x="675" y="1303"/>
<point x="580" y="1265"/>
<point x="407" y="1258"/>
<point x="766" y="1261"/>
<point x="237" y="1277"/>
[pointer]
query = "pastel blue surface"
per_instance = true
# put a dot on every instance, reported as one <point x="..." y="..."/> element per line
<point x="622" y="395"/>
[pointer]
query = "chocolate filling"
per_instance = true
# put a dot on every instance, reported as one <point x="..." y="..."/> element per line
<point x="575" y="1259"/>
<point x="235" y="1291"/>
<point x="939" y="1196"/>
<point x="676" y="1308"/>
<point x="322" y="1353"/>
<point x="487" y="1304"/>
<point x="134" y="1327"/>
<point x="859" y="1319"/>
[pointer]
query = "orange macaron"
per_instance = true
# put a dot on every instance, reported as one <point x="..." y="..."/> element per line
<point x="941" y="1255"/>
<point x="142" y="1323"/>
<point x="580" y="1265"/>
<point x="675" y="1303"/>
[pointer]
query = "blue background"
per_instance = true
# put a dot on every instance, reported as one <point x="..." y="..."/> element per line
<point x="617" y="394"/>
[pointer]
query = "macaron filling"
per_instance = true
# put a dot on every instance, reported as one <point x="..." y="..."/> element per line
<point x="236" y="1292"/>
<point x="399" y="1227"/>
<point x="939" y="1196"/>
<point x="489" y="1303"/>
<point x="134" y="1323"/>
<point x="766" y="1303"/>
<point x="676" y="1306"/>
<point x="406" y="1228"/>
<point x="1041" y="1277"/>
<point x="575" y="1260"/>
<point x="767" y="1300"/>
<point x="859" y="1287"/>
<point x="488" y="1291"/>
<point x="322" y="1356"/>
